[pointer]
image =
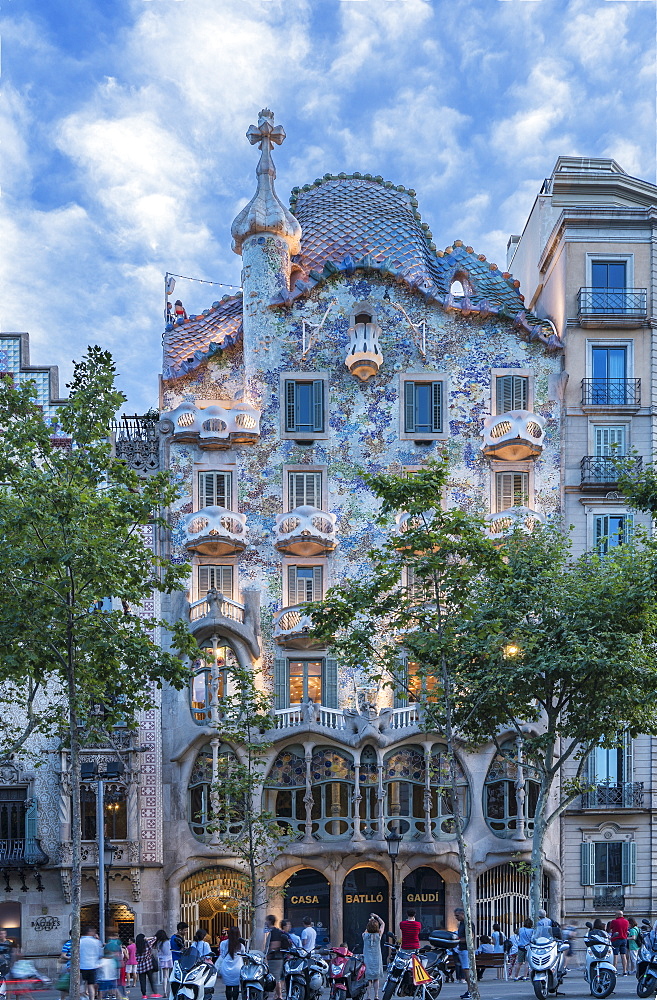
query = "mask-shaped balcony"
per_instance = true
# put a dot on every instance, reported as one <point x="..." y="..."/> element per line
<point x="513" y="436"/>
<point x="217" y="426"/>
<point x="215" y="531"/>
<point x="505" y="522"/>
<point x="305" y="531"/>
<point x="292" y="627"/>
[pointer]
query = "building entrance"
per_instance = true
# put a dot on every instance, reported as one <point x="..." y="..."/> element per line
<point x="215" y="899"/>
<point x="364" y="891"/>
<point x="424" y="891"/>
<point x="308" y="894"/>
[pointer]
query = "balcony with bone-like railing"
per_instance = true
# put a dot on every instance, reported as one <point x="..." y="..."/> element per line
<point x="513" y="436"/>
<point x="220" y="425"/>
<point x="505" y="522"/>
<point x="215" y="531"/>
<point x="336" y="719"/>
<point x="217" y="613"/>
<point x="215" y="605"/>
<point x="305" y="531"/>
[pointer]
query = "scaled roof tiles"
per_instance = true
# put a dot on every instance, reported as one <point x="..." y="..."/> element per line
<point x="188" y="344"/>
<point x="359" y="221"/>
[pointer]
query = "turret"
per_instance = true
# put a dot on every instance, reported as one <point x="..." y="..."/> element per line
<point x="266" y="234"/>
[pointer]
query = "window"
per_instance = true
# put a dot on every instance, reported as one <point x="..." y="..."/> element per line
<point x="610" y="530"/>
<point x="215" y="489"/>
<point x="304" y="583"/>
<point x="610" y="772"/>
<point x="511" y="393"/>
<point x="115" y="811"/>
<point x="609" y="384"/>
<point x="609" y="862"/>
<point x="608" y="280"/>
<point x="419" y="588"/>
<point x="412" y="684"/>
<point x="609" y="440"/>
<point x="215" y="578"/>
<point x="304" y="406"/>
<point x="304" y="489"/>
<point x="285" y="788"/>
<point x="300" y="680"/>
<point x="207" y="684"/>
<point x="363" y="318"/>
<point x="210" y="809"/>
<point x="501" y="798"/>
<point x="423" y="407"/>
<point x="511" y="490"/>
<point x="12" y="813"/>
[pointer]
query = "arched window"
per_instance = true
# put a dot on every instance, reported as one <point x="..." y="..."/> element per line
<point x="332" y="776"/>
<point x="207" y="684"/>
<point x="503" y="795"/>
<point x="442" y="802"/>
<point x="214" y="807"/>
<point x="457" y="290"/>
<point x="363" y="318"/>
<point x="404" y="777"/>
<point x="285" y="789"/>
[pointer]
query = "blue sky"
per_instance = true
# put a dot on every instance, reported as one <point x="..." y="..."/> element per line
<point x="123" y="153"/>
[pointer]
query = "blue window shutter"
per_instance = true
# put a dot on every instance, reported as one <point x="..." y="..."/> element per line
<point x="318" y="405"/>
<point x="281" y="684"/>
<point x="330" y="684"/>
<point x="409" y="407"/>
<point x="587" y="875"/>
<point x="629" y="862"/>
<point x="436" y="407"/>
<point x="629" y="528"/>
<point x="401" y="684"/>
<point x="290" y="406"/>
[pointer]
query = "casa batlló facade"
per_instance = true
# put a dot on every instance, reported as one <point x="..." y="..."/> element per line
<point x="355" y="344"/>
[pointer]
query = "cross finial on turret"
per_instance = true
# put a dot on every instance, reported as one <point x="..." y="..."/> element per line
<point x="265" y="133"/>
<point x="265" y="213"/>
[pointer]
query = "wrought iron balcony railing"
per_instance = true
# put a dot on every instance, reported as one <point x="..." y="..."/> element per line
<point x="21" y="852"/>
<point x="611" y="392"/>
<point x="631" y="302"/>
<point x="609" y="897"/>
<point x="620" y="795"/>
<point x="600" y="470"/>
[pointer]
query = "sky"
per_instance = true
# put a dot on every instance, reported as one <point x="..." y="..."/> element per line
<point x="123" y="152"/>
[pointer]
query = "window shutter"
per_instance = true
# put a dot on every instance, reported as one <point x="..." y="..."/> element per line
<point x="629" y="862"/>
<point x="600" y="528"/>
<point x="290" y="406"/>
<point x="511" y="393"/>
<point x="409" y="407"/>
<point x="401" y="684"/>
<point x="511" y="488"/>
<point x="628" y="528"/>
<point x="203" y="581"/>
<point x="628" y="757"/>
<point x="436" y="407"/>
<point x="587" y="864"/>
<point x="281" y="684"/>
<point x="591" y="775"/>
<point x="318" y="589"/>
<point x="330" y="684"/>
<point x="214" y="488"/>
<point x="292" y="596"/>
<point x="318" y="405"/>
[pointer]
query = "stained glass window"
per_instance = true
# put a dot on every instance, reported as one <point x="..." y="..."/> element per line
<point x="210" y="813"/>
<point x="288" y="770"/>
<point x="331" y="765"/>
